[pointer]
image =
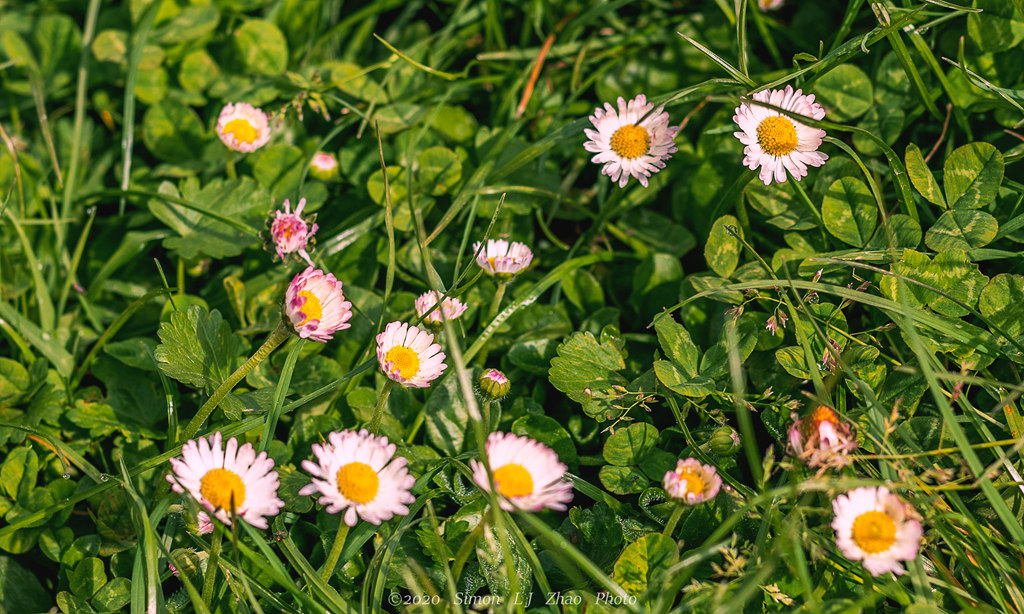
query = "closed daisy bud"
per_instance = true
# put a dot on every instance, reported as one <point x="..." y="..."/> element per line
<point x="409" y="355"/>
<point x="228" y="481"/>
<point x="243" y="127"/>
<point x="692" y="482"/>
<point x="358" y="474"/>
<point x="493" y="385"/>
<point x="315" y="305"/>
<point x="822" y="439"/>
<point x="875" y="527"/>
<point x="724" y="441"/>
<point x="503" y="259"/>
<point x="633" y="142"/>
<point x="527" y="474"/>
<point x="324" y="166"/>
<point x="290" y="233"/>
<point x="775" y="142"/>
<point x="450" y="308"/>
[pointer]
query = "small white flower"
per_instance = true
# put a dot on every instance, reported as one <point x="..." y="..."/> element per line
<point x="875" y="527"/>
<point x="227" y="481"/>
<point x="315" y="305"/>
<point x="243" y="127"/>
<point x="409" y="355"/>
<point x="776" y="142"/>
<point x="770" y="5"/>
<point x="357" y="473"/>
<point x="290" y="233"/>
<point x="502" y="258"/>
<point x="450" y="309"/>
<point x="527" y="474"/>
<point x="628" y="146"/>
<point x="323" y="166"/>
<point x="692" y="482"/>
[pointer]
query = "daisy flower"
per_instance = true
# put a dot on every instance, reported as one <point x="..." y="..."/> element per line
<point x="502" y="258"/>
<point x="493" y="385"/>
<point x="527" y="474"/>
<point x="315" y="305"/>
<point x="822" y="439"/>
<point x="323" y="166"/>
<point x="243" y="127"/>
<point x="358" y="473"/>
<point x="770" y="5"/>
<point x="875" y="527"/>
<point x="692" y="482"/>
<point x="776" y="142"/>
<point x="409" y="355"/>
<point x="628" y="146"/>
<point x="227" y="481"/>
<point x="290" y="233"/>
<point x="450" y="309"/>
<point x="203" y="523"/>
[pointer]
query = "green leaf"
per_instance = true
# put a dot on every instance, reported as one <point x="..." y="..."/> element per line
<point x="192" y="23"/>
<point x="716" y="360"/>
<point x="1002" y="302"/>
<point x="69" y="604"/>
<point x="89" y="576"/>
<point x="241" y="200"/>
<point x="439" y="170"/>
<point x="622" y="480"/>
<point x="722" y="250"/>
<point x="952" y="273"/>
<point x="846" y="91"/>
<point x="660" y="233"/>
<point x="599" y="534"/>
<point x="849" y="211"/>
<point x="996" y="27"/>
<point x="493" y="563"/>
<point x="292" y="481"/>
<point x="630" y="445"/>
<point x="20" y="590"/>
<point x="584" y="366"/>
<point x="198" y="348"/>
<point x="922" y="178"/>
<point x="670" y="374"/>
<point x="583" y="290"/>
<point x="972" y="175"/>
<point x="885" y="122"/>
<point x="676" y="342"/>
<point x="198" y="70"/>
<point x="14" y="381"/>
<point x="172" y="131"/>
<point x="642" y="565"/>
<point x="961" y="229"/>
<point x="906" y="232"/>
<point x="278" y="168"/>
<point x="262" y="47"/>
<point x="446" y="416"/>
<point x="793" y="360"/>
<point x="548" y="432"/>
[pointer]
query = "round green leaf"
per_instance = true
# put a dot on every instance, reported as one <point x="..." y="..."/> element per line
<point x="279" y="168"/>
<point x="629" y="445"/>
<point x="885" y="122"/>
<point x="643" y="563"/>
<point x="110" y="46"/>
<point x="961" y="229"/>
<point x="622" y="480"/>
<point x="113" y="596"/>
<point x="906" y="232"/>
<point x="89" y="576"/>
<point x="722" y="251"/>
<point x="972" y="175"/>
<point x="439" y="170"/>
<point x="997" y="27"/>
<point x="846" y="93"/>
<point x="20" y="590"/>
<point x="263" y="47"/>
<point x="549" y="433"/>
<point x="1002" y="302"/>
<point x="849" y="211"/>
<point x="792" y="360"/>
<point x="198" y="71"/>
<point x="172" y="131"/>
<point x="922" y="178"/>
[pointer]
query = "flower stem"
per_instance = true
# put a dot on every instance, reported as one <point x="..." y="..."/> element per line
<point x="485" y="412"/>
<point x="211" y="565"/>
<point x="332" y="558"/>
<point x="378" y="412"/>
<point x="673" y="520"/>
<point x="275" y="339"/>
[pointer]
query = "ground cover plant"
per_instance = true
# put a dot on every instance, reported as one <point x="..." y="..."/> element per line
<point x="511" y="306"/>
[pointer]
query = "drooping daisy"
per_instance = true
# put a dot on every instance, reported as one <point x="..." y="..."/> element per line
<point x="227" y="481"/>
<point x="323" y="166"/>
<point x="631" y="142"/>
<point x="291" y="233"/>
<point x="822" y="438"/>
<point x="875" y="527"/>
<point x="243" y="127"/>
<point x="409" y="355"/>
<point x="493" y="385"/>
<point x="358" y="474"/>
<point x="501" y="258"/>
<point x="527" y="474"/>
<point x="315" y="305"/>
<point x="776" y="142"/>
<point x="450" y="309"/>
<point x="692" y="482"/>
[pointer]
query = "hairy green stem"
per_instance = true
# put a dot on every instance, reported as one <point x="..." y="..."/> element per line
<point x="673" y="520"/>
<point x="275" y="339"/>
<point x="332" y="558"/>
<point x="211" y="565"/>
<point x="378" y="411"/>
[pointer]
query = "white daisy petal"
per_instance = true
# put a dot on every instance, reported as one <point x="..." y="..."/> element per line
<point x="409" y="355"/>
<point x="877" y="528"/>
<point x="527" y="474"/>
<point x="503" y="259"/>
<point x="691" y="482"/>
<point x="621" y="141"/>
<point x="315" y="305"/>
<point x="243" y="127"/>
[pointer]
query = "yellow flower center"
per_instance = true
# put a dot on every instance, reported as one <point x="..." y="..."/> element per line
<point x="777" y="135"/>
<point x="407" y="361"/>
<point x="223" y="488"/>
<point x="242" y="129"/>
<point x="631" y="141"/>
<point x="823" y="413"/>
<point x="311" y="308"/>
<point x="694" y="482"/>
<point x="874" y="532"/>
<point x="358" y="482"/>
<point x="513" y="480"/>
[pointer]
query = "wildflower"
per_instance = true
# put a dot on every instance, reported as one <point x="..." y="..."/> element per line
<point x="501" y="258"/>
<point x="243" y="127"/>
<point x="632" y="142"/>
<point x="776" y="321"/>
<point x="822" y="439"/>
<point x="776" y="142"/>
<point x="829" y="358"/>
<point x="875" y="527"/>
<point x="692" y="482"/>
<point x="409" y="355"/>
<point x="227" y="481"/>
<point x="315" y="305"/>
<point x="527" y="474"/>
<point x="323" y="166"/>
<point x="203" y="523"/>
<point x="493" y="385"/>
<point x="359" y="474"/>
<point x="770" y="5"/>
<point x="291" y="233"/>
<point x="450" y="309"/>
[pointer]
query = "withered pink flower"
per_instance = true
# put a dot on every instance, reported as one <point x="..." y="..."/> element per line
<point x="822" y="438"/>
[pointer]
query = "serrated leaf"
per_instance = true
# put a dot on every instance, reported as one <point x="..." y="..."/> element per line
<point x="242" y="200"/>
<point x="722" y="250"/>
<point x="676" y="380"/>
<point x="963" y="229"/>
<point x="584" y="366"/>
<point x="922" y="178"/>
<point x="198" y="348"/>
<point x="972" y="175"/>
<point x="849" y="211"/>
<point x="643" y="563"/>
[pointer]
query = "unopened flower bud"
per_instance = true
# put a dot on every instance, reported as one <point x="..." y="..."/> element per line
<point x="724" y="441"/>
<point x="324" y="166"/>
<point x="493" y="385"/>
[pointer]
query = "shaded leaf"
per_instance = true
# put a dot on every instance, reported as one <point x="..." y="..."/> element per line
<point x="849" y="211"/>
<point x="961" y="229"/>
<point x="922" y="178"/>
<point x="722" y="250"/>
